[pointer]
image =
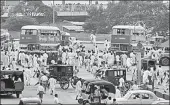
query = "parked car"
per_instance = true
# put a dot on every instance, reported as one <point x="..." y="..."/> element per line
<point x="139" y="97"/>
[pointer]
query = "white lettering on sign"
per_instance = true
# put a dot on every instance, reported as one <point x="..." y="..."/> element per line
<point x="28" y="38"/>
<point x="122" y="38"/>
<point x="42" y="39"/>
<point x="51" y="38"/>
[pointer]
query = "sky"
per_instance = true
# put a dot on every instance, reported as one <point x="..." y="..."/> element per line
<point x="78" y="1"/>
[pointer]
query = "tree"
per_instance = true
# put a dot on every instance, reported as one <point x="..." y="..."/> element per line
<point x="32" y="8"/>
<point x="15" y="23"/>
<point x="96" y="20"/>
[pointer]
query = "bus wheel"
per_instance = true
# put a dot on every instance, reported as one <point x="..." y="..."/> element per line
<point x="17" y="94"/>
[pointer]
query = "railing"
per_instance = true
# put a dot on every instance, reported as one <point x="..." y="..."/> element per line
<point x="75" y="7"/>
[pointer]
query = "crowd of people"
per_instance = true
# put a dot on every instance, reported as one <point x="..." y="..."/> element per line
<point x="76" y="55"/>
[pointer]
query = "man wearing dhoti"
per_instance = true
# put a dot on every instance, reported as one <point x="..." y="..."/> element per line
<point x="110" y="60"/>
<point x="91" y="61"/>
<point x="6" y="60"/>
<point x="124" y="58"/>
<point x="52" y="83"/>
<point x="45" y="57"/>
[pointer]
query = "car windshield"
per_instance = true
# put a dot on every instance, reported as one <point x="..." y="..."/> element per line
<point x="127" y="95"/>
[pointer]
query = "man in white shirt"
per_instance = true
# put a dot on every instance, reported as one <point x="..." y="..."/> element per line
<point x="118" y="93"/>
<point x="146" y="73"/>
<point x="45" y="57"/>
<point x="64" y="56"/>
<point x="44" y="81"/>
<point x="78" y="88"/>
<point x="52" y="83"/>
<point x="121" y="82"/>
<point x="40" y="91"/>
<point x="117" y="60"/>
<point x="56" y="100"/>
<point x="161" y="74"/>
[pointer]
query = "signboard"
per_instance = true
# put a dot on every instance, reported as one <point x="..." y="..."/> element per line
<point x="121" y="39"/>
<point x="25" y="39"/>
<point x="48" y="39"/>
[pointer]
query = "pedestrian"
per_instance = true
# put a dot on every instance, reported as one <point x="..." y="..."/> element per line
<point x="52" y="83"/>
<point x="154" y="78"/>
<point x="40" y="91"/>
<point x="45" y="57"/>
<point x="114" y="102"/>
<point x="56" y="100"/>
<point x="109" y="101"/>
<point x="122" y="84"/>
<point x="44" y="81"/>
<point x="78" y="88"/>
<point x="118" y="93"/>
<point x="146" y="74"/>
<point x="13" y="64"/>
<point x="117" y="60"/>
<point x="64" y="57"/>
<point x="134" y="72"/>
<point x="124" y="58"/>
<point x="135" y="86"/>
<point x="161" y="74"/>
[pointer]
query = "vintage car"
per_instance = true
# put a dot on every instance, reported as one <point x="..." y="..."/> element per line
<point x="138" y="97"/>
<point x="12" y="82"/>
<point x="99" y="100"/>
<point x="30" y="101"/>
<point x="63" y="74"/>
<point x="113" y="76"/>
<point x="84" y="95"/>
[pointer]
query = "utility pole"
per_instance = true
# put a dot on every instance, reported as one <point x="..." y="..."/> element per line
<point x="53" y="13"/>
<point x="138" y="59"/>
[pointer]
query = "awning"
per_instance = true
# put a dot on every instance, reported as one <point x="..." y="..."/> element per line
<point x="50" y="44"/>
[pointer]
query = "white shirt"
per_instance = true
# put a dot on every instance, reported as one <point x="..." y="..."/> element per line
<point x="135" y="87"/>
<point x="117" y="58"/>
<point x="118" y="94"/>
<point x="40" y="88"/>
<point x="44" y="78"/>
<point x="146" y="73"/>
<point x="78" y="85"/>
<point x="161" y="71"/>
<point x="56" y="101"/>
<point x="52" y="82"/>
<point x="45" y="56"/>
<point x="121" y="81"/>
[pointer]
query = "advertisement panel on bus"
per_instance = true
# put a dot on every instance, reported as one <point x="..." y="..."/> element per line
<point x="39" y="39"/>
<point x="25" y="39"/>
<point x="121" y="39"/>
<point x="48" y="39"/>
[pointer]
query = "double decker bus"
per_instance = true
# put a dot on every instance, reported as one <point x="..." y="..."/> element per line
<point x="41" y="38"/>
<point x="125" y="38"/>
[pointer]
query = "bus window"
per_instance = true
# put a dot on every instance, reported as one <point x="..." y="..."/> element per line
<point x="120" y="31"/>
<point x="23" y="32"/>
<point x="30" y="32"/>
